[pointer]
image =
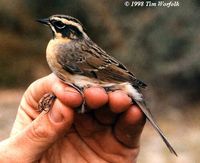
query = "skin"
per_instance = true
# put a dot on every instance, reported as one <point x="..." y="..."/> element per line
<point x="109" y="132"/>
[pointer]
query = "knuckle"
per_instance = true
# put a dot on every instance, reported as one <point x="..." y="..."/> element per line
<point x="39" y="133"/>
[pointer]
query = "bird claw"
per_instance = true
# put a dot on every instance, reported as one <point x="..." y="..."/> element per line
<point x="82" y="108"/>
<point x="48" y="99"/>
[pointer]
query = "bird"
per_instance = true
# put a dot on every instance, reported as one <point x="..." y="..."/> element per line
<point x="80" y="63"/>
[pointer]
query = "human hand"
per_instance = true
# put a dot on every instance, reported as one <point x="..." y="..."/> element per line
<point x="109" y="132"/>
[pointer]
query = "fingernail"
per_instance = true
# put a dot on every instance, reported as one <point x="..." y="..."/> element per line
<point x="56" y="115"/>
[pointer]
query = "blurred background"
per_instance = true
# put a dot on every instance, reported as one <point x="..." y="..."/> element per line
<point x="160" y="45"/>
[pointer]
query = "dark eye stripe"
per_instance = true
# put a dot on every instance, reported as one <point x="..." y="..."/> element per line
<point x="58" y="24"/>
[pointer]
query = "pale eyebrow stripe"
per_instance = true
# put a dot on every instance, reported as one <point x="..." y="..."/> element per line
<point x="70" y="22"/>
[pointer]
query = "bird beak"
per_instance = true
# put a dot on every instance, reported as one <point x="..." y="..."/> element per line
<point x="44" y="21"/>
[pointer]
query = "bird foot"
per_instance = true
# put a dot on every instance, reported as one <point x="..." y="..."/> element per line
<point x="48" y="99"/>
<point x="46" y="102"/>
<point x="82" y="108"/>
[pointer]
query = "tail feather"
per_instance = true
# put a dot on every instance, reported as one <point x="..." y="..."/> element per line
<point x="149" y="116"/>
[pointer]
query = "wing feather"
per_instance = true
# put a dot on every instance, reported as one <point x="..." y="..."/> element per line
<point x="96" y="63"/>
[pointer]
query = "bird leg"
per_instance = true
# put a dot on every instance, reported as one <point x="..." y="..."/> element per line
<point x="110" y="88"/>
<point x="81" y="109"/>
<point x="46" y="102"/>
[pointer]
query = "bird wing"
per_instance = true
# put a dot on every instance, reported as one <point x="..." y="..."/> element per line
<point x="90" y="60"/>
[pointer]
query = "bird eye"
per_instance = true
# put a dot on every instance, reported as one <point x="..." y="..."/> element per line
<point x="58" y="24"/>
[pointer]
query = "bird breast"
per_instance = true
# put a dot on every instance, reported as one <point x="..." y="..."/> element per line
<point x="54" y="49"/>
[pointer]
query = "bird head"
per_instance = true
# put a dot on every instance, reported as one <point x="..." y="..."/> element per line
<point x="64" y="26"/>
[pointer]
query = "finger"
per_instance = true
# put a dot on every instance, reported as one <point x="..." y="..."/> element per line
<point x="86" y="125"/>
<point x="101" y="138"/>
<point x="119" y="101"/>
<point x="129" y="127"/>
<point x="40" y="87"/>
<point x="105" y="116"/>
<point x="67" y="95"/>
<point x="27" y="111"/>
<point x="51" y="83"/>
<point x="95" y="97"/>
<point x="43" y="132"/>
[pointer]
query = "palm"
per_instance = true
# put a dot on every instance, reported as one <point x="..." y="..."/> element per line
<point x="90" y="141"/>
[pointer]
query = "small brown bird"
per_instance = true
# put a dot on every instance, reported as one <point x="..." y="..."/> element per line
<point x="81" y="63"/>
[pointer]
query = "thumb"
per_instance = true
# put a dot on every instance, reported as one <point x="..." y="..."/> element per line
<point x="43" y="132"/>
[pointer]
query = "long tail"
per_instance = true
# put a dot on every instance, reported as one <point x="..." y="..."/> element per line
<point x="149" y="116"/>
